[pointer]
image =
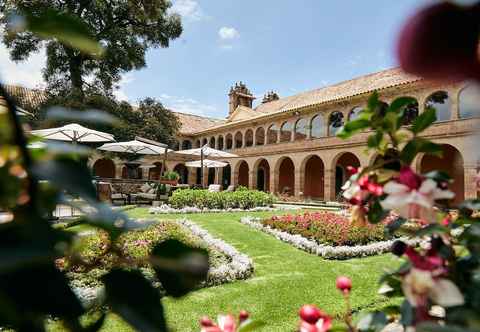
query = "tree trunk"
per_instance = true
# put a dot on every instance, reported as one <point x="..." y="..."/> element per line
<point x="75" y="69"/>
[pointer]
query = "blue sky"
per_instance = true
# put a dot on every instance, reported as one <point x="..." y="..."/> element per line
<point x="288" y="46"/>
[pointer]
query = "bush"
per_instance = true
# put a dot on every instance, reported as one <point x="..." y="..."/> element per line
<point x="327" y="228"/>
<point x="242" y="199"/>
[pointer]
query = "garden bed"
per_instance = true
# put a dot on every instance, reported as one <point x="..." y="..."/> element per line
<point x="167" y="209"/>
<point x="330" y="236"/>
<point x="226" y="263"/>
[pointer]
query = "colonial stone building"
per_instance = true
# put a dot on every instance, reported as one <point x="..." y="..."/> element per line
<point x="288" y="145"/>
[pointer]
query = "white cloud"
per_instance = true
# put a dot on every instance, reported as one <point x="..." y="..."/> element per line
<point x="120" y="92"/>
<point x="26" y="73"/>
<point x="228" y="33"/>
<point x="188" y="9"/>
<point x="186" y="105"/>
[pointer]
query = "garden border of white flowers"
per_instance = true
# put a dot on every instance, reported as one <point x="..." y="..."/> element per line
<point x="167" y="209"/>
<point x="239" y="267"/>
<point x="322" y="250"/>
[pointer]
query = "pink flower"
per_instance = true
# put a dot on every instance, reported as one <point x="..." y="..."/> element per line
<point x="412" y="197"/>
<point x="313" y="319"/>
<point x="225" y="323"/>
<point x="441" y="42"/>
<point x="344" y="284"/>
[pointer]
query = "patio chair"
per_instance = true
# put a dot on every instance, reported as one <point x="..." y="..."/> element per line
<point x="230" y="188"/>
<point x="107" y="193"/>
<point x="214" y="188"/>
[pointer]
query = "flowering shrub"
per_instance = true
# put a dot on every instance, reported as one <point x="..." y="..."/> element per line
<point x="242" y="199"/>
<point x="327" y="228"/>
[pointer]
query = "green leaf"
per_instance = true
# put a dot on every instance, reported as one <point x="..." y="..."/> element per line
<point x="179" y="268"/>
<point x="68" y="29"/>
<point x="418" y="145"/>
<point x="424" y="120"/>
<point x="373" y="101"/>
<point x="67" y="174"/>
<point x="375" y="140"/>
<point x="399" y="103"/>
<point x="133" y="297"/>
<point x="376" y="213"/>
<point x="439" y="176"/>
<point x="250" y="325"/>
<point x="352" y="127"/>
<point x="432" y="327"/>
<point x="92" y="116"/>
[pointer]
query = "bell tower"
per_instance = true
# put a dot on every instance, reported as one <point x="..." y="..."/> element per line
<point x="239" y="95"/>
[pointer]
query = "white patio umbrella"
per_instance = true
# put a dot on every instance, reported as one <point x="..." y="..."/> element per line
<point x="139" y="146"/>
<point x="74" y="133"/>
<point x="206" y="151"/>
<point x="207" y="163"/>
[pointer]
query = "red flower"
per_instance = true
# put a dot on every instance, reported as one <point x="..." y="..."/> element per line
<point x="441" y="42"/>
<point x="314" y="320"/>
<point x="409" y="178"/>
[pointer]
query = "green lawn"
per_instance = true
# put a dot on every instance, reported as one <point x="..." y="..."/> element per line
<point x="284" y="279"/>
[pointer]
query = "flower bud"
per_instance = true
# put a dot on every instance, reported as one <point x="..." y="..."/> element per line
<point x="399" y="248"/>
<point x="344" y="284"/>
<point x="243" y="316"/>
<point x="310" y="313"/>
<point x="441" y="42"/>
<point x="206" y="322"/>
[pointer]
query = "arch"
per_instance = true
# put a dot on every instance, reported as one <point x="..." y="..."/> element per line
<point x="286" y="177"/>
<point x="314" y="184"/>
<point x="469" y="101"/>
<point x="104" y="168"/>
<point x="186" y="145"/>
<point x="243" y="171"/>
<point x="335" y="122"/>
<point x="286" y="132"/>
<point x="212" y="142"/>
<point x="197" y="143"/>
<point x="410" y="112"/>
<point x="220" y="143"/>
<point x="301" y="130"/>
<point x="182" y="170"/>
<point x="249" y="138"/>
<point x="353" y="114"/>
<point x="211" y="176"/>
<point x="451" y="163"/>
<point x="124" y="172"/>
<point x="340" y="166"/>
<point x="272" y="134"/>
<point x="226" y="176"/>
<point x="442" y="103"/>
<point x="154" y="172"/>
<point x="204" y="142"/>
<point x="229" y="142"/>
<point x="262" y="170"/>
<point x="238" y="140"/>
<point x="176" y="146"/>
<point x="260" y="136"/>
<point x="317" y="126"/>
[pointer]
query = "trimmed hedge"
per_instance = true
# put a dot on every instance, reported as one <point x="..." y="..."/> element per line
<point x="240" y="199"/>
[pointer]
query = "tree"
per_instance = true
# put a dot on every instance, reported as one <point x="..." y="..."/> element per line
<point x="125" y="29"/>
<point x="150" y="119"/>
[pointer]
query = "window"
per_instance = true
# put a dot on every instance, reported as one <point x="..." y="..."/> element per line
<point x="335" y="122"/>
<point x="272" y="134"/>
<point x="260" y="136"/>
<point x="286" y="132"/>
<point x="238" y="140"/>
<point x="301" y="130"/>
<point x="469" y="101"/>
<point x="317" y="127"/>
<point x="229" y="141"/>
<point x="442" y="103"/>
<point x="186" y="145"/>
<point x="220" y="143"/>
<point x="249" y="138"/>
<point x="354" y="113"/>
<point x="410" y="113"/>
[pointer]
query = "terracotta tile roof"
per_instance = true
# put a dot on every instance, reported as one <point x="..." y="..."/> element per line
<point x="191" y="123"/>
<point x="25" y="97"/>
<point x="343" y="90"/>
<point x="347" y="89"/>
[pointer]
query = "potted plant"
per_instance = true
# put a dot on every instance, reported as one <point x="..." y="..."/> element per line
<point x="171" y="178"/>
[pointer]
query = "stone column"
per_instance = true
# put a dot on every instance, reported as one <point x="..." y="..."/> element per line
<point x="454" y="109"/>
<point x="299" y="183"/>
<point x="329" y="185"/>
<point x="470" y="184"/>
<point x="252" y="179"/>
<point x="273" y="181"/>
<point x="220" y="175"/>
<point x="118" y="171"/>
<point x="192" y="176"/>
